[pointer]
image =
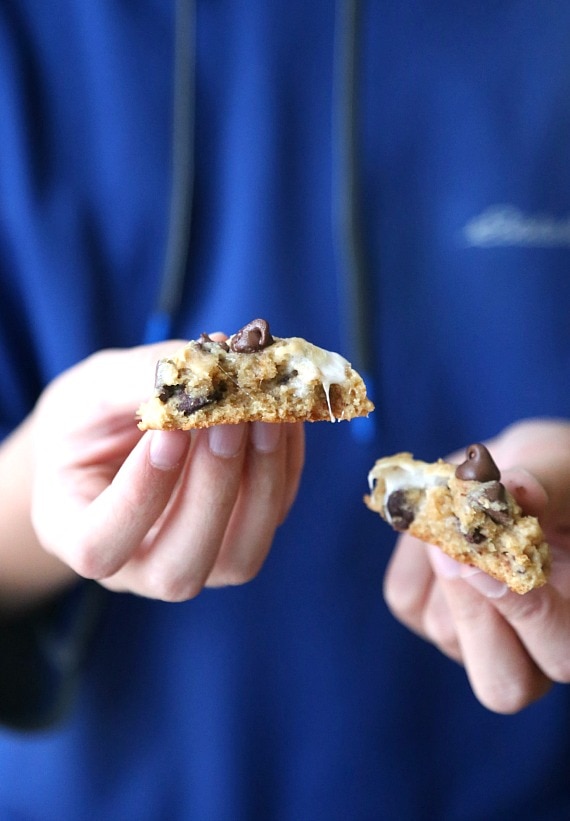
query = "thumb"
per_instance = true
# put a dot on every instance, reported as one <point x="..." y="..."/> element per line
<point x="526" y="489"/>
<point x="128" y="374"/>
<point x="536" y="453"/>
<point x="109" y="384"/>
<point x="542" y="489"/>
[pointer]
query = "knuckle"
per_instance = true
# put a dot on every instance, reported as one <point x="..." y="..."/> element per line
<point x="234" y="574"/>
<point x="86" y="563"/>
<point x="167" y="587"/>
<point x="510" y="695"/>
<point x="439" y="628"/>
<point x="241" y="574"/>
<point x="532" y="607"/>
<point x="89" y="556"/>
<point x="397" y="596"/>
<point x="505" y="700"/>
<point x="87" y="559"/>
<point x="231" y="577"/>
<point x="559" y="670"/>
<point x="401" y="598"/>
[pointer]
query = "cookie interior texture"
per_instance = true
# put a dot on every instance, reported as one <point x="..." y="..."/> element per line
<point x="268" y="379"/>
<point x="475" y="522"/>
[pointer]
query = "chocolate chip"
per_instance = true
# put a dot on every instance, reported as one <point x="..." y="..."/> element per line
<point x="190" y="404"/>
<point x="286" y="376"/>
<point x="167" y="392"/>
<point x="495" y="492"/>
<point x="476" y="536"/>
<point x="491" y="499"/>
<point x="500" y="517"/>
<point x="479" y="465"/>
<point x="185" y="403"/>
<point x="252" y="337"/>
<point x="401" y="513"/>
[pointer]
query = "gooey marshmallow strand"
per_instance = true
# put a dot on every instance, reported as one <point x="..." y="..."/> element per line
<point x="313" y="364"/>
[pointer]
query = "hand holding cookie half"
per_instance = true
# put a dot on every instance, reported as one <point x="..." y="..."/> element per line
<point x="154" y="509"/>
<point x="514" y="525"/>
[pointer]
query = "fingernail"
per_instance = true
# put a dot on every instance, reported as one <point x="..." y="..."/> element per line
<point x="265" y="436"/>
<point x="225" y="440"/>
<point x="167" y="448"/>
<point x="490" y="588"/>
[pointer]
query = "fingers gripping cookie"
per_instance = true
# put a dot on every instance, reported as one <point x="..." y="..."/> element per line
<point x="466" y="511"/>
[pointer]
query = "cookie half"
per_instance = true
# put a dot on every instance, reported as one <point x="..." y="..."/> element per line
<point x="252" y="376"/>
<point x="466" y="511"/>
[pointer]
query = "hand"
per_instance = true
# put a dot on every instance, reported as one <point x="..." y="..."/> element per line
<point x="513" y="647"/>
<point x="161" y="514"/>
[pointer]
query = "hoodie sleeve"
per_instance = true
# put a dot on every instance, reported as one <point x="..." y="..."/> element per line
<point x="42" y="654"/>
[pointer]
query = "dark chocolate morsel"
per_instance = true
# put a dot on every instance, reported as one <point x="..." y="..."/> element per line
<point x="479" y="465"/>
<point x="491" y="499"/>
<point x="400" y="511"/>
<point x="252" y="337"/>
<point x="495" y="492"/>
<point x="166" y="392"/>
<point x="190" y="404"/>
<point x="500" y="517"/>
<point x="185" y="403"/>
<point x="476" y="536"/>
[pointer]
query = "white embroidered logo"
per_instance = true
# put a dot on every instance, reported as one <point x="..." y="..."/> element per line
<point x="507" y="225"/>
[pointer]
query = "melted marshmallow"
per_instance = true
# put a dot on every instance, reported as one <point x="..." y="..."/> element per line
<point x="314" y="364"/>
<point x="400" y="475"/>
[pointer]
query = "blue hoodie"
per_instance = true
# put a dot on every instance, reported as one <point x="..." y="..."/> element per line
<point x="416" y="218"/>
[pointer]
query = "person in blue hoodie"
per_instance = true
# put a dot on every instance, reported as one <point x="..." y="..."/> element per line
<point x="390" y="181"/>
